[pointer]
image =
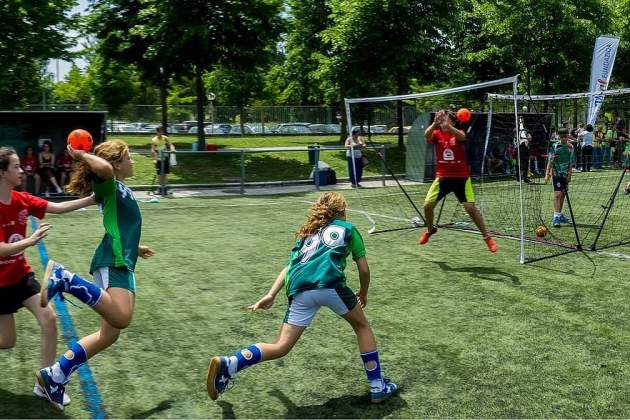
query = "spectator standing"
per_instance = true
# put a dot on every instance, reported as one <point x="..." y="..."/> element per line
<point x="354" y="156"/>
<point x="587" y="148"/>
<point x="29" y="164"/>
<point x="599" y="139"/>
<point x="610" y="144"/>
<point x="161" y="143"/>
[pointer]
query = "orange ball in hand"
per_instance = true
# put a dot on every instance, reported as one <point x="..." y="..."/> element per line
<point x="80" y="140"/>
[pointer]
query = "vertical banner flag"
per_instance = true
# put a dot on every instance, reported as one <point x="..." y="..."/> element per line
<point x="604" y="55"/>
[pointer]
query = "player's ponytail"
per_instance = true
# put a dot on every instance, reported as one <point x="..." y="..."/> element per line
<point x="328" y="206"/>
<point x="81" y="178"/>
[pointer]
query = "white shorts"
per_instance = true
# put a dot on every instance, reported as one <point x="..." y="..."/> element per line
<point x="304" y="305"/>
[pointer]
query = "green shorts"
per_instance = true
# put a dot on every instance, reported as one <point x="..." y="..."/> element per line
<point x="440" y="188"/>
<point x="121" y="277"/>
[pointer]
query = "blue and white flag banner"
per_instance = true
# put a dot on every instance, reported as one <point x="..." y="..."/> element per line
<point x="604" y="55"/>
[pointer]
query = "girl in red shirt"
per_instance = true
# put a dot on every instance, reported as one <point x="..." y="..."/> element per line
<point x="29" y="165"/>
<point x="18" y="286"/>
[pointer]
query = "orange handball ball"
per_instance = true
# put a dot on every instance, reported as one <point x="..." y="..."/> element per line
<point x="80" y="140"/>
<point x="541" y="231"/>
<point x="463" y="115"/>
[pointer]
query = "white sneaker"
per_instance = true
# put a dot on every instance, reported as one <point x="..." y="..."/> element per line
<point x="39" y="393"/>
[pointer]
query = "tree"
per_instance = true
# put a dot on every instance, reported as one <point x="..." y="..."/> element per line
<point x="238" y="35"/>
<point x="377" y="46"/>
<point x="22" y="51"/>
<point x="74" y="89"/>
<point x="550" y="42"/>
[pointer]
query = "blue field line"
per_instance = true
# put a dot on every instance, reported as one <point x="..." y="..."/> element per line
<point x="86" y="379"/>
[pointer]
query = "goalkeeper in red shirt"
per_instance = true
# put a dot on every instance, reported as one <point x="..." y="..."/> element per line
<point x="451" y="175"/>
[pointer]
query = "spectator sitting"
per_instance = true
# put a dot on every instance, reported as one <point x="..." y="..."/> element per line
<point x="64" y="167"/>
<point x="47" y="168"/>
<point x="29" y="164"/>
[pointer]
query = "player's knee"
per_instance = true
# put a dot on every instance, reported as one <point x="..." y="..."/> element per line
<point x="120" y="323"/>
<point x="48" y="320"/>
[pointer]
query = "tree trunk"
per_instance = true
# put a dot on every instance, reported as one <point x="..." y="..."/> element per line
<point x="201" y="96"/>
<point x="241" y="111"/>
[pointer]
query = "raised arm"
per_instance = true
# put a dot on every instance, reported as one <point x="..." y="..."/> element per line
<point x="98" y="166"/>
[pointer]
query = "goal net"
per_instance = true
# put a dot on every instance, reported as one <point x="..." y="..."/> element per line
<point x="508" y="139"/>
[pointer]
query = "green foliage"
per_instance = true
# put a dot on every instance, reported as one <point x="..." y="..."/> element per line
<point x="30" y="34"/>
<point x="549" y="41"/>
<point x="74" y="89"/>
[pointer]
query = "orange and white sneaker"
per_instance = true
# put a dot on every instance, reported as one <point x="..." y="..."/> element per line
<point x="424" y="237"/>
<point x="491" y="243"/>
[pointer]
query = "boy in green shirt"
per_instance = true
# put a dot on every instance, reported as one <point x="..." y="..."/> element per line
<point x="314" y="278"/>
<point x="559" y="168"/>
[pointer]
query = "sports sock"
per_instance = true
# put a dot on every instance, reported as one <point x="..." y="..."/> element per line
<point x="68" y="363"/>
<point x="244" y="358"/>
<point x="85" y="291"/>
<point x="372" y="367"/>
<point x="557" y="214"/>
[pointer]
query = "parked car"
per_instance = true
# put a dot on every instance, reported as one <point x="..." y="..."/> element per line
<point x="195" y="130"/>
<point x="293" y="128"/>
<point x="374" y="129"/>
<point x="325" y="128"/>
<point x="236" y="129"/>
<point x="394" y="130"/>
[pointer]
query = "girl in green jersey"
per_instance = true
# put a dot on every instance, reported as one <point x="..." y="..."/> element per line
<point x="314" y="278"/>
<point x="112" y="294"/>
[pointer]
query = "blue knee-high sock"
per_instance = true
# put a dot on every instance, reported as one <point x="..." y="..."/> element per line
<point x="69" y="362"/>
<point x="85" y="291"/>
<point x="244" y="358"/>
<point x="372" y="367"/>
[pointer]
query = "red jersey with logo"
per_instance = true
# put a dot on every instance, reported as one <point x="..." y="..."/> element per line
<point x="13" y="221"/>
<point x="450" y="155"/>
<point x="29" y="164"/>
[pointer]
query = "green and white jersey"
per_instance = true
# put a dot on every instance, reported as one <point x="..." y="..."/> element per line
<point x="561" y="156"/>
<point x="318" y="261"/>
<point x="122" y="222"/>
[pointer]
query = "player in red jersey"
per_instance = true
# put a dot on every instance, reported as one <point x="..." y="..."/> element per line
<point x="18" y="286"/>
<point x="451" y="175"/>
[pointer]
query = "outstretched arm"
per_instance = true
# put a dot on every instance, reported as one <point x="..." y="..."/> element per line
<point x="13" y="248"/>
<point x="267" y="301"/>
<point x="68" y="206"/>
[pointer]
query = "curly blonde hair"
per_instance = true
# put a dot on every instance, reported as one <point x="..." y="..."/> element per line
<point x="81" y="178"/>
<point x="328" y="206"/>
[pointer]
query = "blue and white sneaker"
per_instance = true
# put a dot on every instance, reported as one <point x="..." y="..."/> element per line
<point x="53" y="391"/>
<point x="555" y="221"/>
<point x="389" y="389"/>
<point x="219" y="379"/>
<point x="53" y="284"/>
<point x="564" y="219"/>
<point x="40" y="393"/>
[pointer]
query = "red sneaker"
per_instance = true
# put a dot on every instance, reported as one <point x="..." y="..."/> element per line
<point x="491" y="243"/>
<point x="424" y="237"/>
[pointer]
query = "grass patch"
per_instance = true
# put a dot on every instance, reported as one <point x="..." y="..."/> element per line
<point x="465" y="333"/>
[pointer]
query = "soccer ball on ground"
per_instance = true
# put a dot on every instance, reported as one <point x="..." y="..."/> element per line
<point x="541" y="231"/>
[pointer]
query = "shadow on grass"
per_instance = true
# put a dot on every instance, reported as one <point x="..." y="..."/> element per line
<point x="162" y="406"/>
<point x="228" y="410"/>
<point x="483" y="273"/>
<point x="348" y="407"/>
<point x="26" y="406"/>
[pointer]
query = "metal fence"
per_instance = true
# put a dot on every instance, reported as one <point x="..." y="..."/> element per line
<point x="235" y="172"/>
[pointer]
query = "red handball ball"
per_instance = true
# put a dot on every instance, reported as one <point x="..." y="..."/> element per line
<point x="463" y="115"/>
<point x="80" y="140"/>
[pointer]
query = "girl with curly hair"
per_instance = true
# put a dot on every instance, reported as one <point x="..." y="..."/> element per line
<point x="314" y="277"/>
<point x="113" y="292"/>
